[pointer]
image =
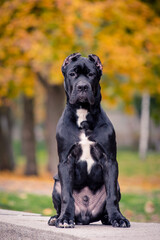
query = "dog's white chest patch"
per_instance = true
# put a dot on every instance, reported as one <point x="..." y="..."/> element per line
<point x="81" y="114"/>
<point x="84" y="141"/>
<point x="86" y="151"/>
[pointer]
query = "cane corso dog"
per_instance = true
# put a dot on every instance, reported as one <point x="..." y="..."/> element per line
<point x="86" y="187"/>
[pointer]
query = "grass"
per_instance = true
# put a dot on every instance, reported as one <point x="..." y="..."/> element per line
<point x="144" y="207"/>
<point x="131" y="165"/>
<point x="136" y="207"/>
<point x="27" y="202"/>
<point x="41" y="155"/>
<point x="128" y="160"/>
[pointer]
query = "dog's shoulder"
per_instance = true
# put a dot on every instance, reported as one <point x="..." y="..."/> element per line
<point x="105" y="122"/>
<point x="105" y="133"/>
<point x="67" y="132"/>
<point x="64" y="121"/>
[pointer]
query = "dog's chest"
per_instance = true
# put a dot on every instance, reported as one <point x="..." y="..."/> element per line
<point x="84" y="142"/>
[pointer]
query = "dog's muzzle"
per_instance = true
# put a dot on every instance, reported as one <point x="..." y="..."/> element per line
<point x="82" y="93"/>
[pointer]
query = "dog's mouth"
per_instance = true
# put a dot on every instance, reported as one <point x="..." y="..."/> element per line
<point x="82" y="97"/>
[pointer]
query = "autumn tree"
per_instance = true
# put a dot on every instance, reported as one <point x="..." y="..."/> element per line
<point x="6" y="150"/>
<point x="127" y="38"/>
<point x="38" y="35"/>
<point x="14" y="80"/>
<point x="28" y="135"/>
<point x="7" y="91"/>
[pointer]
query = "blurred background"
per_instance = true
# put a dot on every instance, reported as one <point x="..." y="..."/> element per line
<point x="35" y="37"/>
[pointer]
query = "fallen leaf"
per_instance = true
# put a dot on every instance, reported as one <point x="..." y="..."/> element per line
<point x="47" y="211"/>
<point x="149" y="207"/>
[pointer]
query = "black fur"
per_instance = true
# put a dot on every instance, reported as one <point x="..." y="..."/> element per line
<point x="82" y="76"/>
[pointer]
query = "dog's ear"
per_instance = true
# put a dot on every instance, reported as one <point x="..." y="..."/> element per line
<point x="72" y="57"/>
<point x="97" y="61"/>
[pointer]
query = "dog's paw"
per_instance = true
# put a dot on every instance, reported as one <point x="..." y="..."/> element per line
<point x="105" y="220"/>
<point x="52" y="220"/>
<point x="118" y="220"/>
<point x="64" y="223"/>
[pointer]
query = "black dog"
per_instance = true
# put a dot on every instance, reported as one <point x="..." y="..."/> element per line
<point x="86" y="187"/>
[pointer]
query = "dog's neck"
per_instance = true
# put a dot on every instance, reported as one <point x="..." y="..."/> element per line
<point x="81" y="115"/>
<point x="84" y="115"/>
<point x="85" y="107"/>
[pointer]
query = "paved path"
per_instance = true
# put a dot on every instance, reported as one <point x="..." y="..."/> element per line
<point x="24" y="226"/>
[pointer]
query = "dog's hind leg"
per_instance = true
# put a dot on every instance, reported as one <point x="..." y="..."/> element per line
<point x="105" y="218"/>
<point x="56" y="198"/>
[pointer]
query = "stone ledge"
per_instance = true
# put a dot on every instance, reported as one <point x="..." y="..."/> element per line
<point x="24" y="226"/>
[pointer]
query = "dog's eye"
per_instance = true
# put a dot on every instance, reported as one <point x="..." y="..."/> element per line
<point x="90" y="74"/>
<point x="72" y="74"/>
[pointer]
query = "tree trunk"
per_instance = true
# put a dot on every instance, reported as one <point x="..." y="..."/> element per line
<point x="6" y="151"/>
<point x="28" y="136"/>
<point x="54" y="107"/>
<point x="144" y="125"/>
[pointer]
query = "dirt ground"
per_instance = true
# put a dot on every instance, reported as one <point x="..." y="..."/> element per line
<point x="42" y="185"/>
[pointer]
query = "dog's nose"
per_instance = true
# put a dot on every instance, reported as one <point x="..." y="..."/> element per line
<point x="82" y="87"/>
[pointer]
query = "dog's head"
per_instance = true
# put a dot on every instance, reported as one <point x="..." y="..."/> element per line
<point x="82" y="77"/>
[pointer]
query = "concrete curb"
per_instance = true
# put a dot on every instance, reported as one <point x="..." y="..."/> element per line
<point x="24" y="226"/>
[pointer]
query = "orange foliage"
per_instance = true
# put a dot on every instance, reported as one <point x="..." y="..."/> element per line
<point x="37" y="35"/>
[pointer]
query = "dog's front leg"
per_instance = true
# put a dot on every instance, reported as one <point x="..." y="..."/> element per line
<point x="110" y="173"/>
<point x="66" y="173"/>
